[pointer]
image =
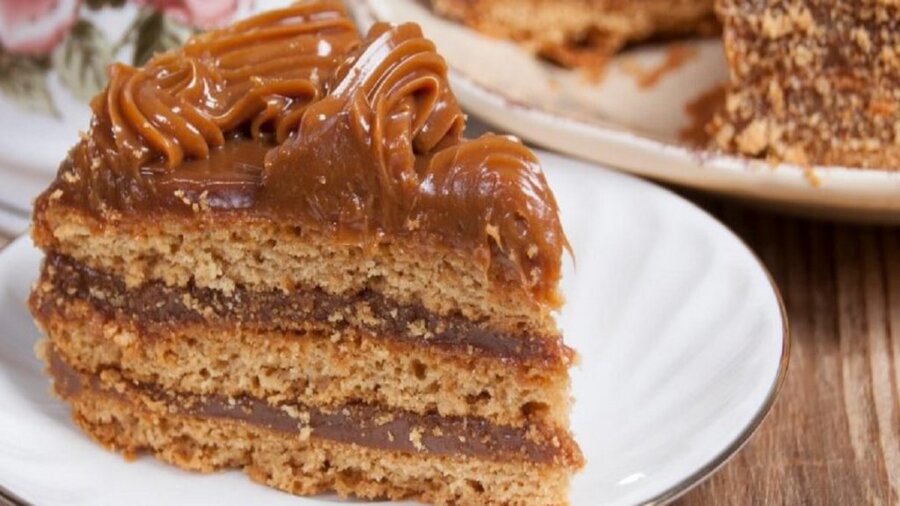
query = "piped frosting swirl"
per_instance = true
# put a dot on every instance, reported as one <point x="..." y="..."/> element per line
<point x="289" y="116"/>
<point x="260" y="73"/>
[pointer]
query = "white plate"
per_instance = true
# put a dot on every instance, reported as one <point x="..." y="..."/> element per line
<point x="620" y="124"/>
<point x="681" y="333"/>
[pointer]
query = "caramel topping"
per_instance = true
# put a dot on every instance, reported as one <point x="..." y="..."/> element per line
<point x="288" y="116"/>
<point x="260" y="73"/>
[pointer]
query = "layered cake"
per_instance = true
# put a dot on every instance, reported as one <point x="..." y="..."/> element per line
<point x="581" y="33"/>
<point x="812" y="81"/>
<point x="275" y="251"/>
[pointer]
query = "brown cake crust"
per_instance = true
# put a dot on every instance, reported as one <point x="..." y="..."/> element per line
<point x="581" y="33"/>
<point x="812" y="82"/>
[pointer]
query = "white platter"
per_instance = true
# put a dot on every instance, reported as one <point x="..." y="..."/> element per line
<point x="682" y="337"/>
<point x="621" y="124"/>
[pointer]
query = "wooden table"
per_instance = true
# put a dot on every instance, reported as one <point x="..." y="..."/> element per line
<point x="833" y="436"/>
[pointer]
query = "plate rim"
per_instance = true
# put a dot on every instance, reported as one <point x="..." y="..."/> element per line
<point x="728" y="451"/>
<point x="870" y="189"/>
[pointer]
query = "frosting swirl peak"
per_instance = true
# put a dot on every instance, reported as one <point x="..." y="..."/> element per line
<point x="263" y="71"/>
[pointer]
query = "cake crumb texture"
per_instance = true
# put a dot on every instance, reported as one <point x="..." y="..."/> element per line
<point x="131" y="425"/>
<point x="280" y="366"/>
<point x="812" y="82"/>
<point x="260" y="254"/>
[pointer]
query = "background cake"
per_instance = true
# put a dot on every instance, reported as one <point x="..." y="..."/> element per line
<point x="812" y="81"/>
<point x="579" y="33"/>
<point x="274" y="251"/>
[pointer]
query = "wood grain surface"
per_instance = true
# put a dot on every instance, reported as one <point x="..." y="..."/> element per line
<point x="833" y="436"/>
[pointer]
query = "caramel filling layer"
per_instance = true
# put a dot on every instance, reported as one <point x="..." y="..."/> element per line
<point x="154" y="303"/>
<point x="362" y="424"/>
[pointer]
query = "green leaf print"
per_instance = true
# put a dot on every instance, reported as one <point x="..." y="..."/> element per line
<point x="23" y="79"/>
<point x="81" y="60"/>
<point x="99" y="4"/>
<point x="155" y="33"/>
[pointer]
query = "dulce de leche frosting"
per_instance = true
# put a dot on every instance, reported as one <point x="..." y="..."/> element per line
<point x="290" y="116"/>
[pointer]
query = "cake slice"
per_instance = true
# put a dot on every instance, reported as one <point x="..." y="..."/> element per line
<point x="581" y="33"/>
<point x="812" y="81"/>
<point x="275" y="251"/>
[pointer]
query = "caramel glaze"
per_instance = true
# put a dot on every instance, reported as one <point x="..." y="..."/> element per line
<point x="288" y="116"/>
<point x="259" y="74"/>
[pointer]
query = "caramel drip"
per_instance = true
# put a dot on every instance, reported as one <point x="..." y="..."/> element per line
<point x="263" y="72"/>
<point x="288" y="116"/>
<point x="512" y="210"/>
